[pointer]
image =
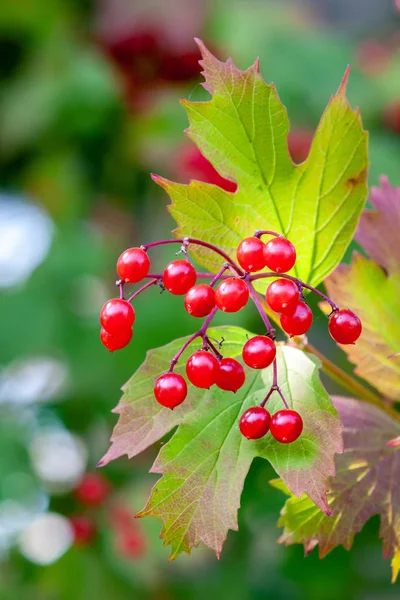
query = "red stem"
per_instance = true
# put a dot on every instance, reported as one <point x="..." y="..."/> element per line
<point x="186" y="241"/>
<point x="201" y="333"/>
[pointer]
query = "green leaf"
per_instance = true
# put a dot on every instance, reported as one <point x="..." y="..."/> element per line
<point x="367" y="483"/>
<point x="243" y="131"/>
<point x="205" y="463"/>
<point x="371" y="288"/>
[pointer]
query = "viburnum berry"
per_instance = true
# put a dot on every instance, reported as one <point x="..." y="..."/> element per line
<point x="200" y="300"/>
<point x="282" y="295"/>
<point x="279" y="255"/>
<point x="259" y="352"/>
<point x="116" y="315"/>
<point x="254" y="423"/>
<point x="297" y="321"/>
<point x="83" y="528"/>
<point x="179" y="276"/>
<point x="202" y="369"/>
<point x="115" y="342"/>
<point x="231" y="375"/>
<point x="133" y="265"/>
<point x="286" y="426"/>
<point x="92" y="490"/>
<point x="232" y="294"/>
<point x="250" y="254"/>
<point x="345" y="327"/>
<point x="170" y="390"/>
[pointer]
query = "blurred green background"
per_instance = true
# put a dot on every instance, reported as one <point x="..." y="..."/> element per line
<point x="88" y="108"/>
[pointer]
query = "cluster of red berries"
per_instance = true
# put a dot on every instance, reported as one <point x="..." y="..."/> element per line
<point x="207" y="367"/>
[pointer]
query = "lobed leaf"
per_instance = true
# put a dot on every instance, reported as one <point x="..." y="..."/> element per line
<point x="205" y="463"/>
<point x="243" y="131"/>
<point x="371" y="288"/>
<point x="367" y="483"/>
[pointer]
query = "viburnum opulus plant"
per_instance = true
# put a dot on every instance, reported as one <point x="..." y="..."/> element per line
<point x="237" y="395"/>
<point x="207" y="366"/>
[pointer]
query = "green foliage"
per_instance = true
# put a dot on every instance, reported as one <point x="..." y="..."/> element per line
<point x="370" y="287"/>
<point x="206" y="461"/>
<point x="366" y="483"/>
<point x="243" y="131"/>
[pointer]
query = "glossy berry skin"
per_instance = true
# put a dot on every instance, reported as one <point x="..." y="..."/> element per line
<point x="133" y="265"/>
<point x="279" y="255"/>
<point x="297" y="321"/>
<point x="92" y="490"/>
<point x="231" y="375"/>
<point x="202" y="369"/>
<point x="200" y="300"/>
<point x="259" y="352"/>
<point x="254" y="423"/>
<point x="117" y="315"/>
<point x="115" y="342"/>
<point x="286" y="426"/>
<point x="250" y="254"/>
<point x="282" y="295"/>
<point x="83" y="528"/>
<point x="231" y="295"/>
<point x="345" y="327"/>
<point x="179" y="276"/>
<point x="170" y="390"/>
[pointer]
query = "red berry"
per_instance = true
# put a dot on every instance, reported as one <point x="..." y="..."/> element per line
<point x="279" y="255"/>
<point x="131" y="543"/>
<point x="297" y="321"/>
<point x="202" y="369"/>
<point x="115" y="342"/>
<point x="259" y="352"/>
<point x="232" y="294"/>
<point x="92" y="490"/>
<point x="250" y="254"/>
<point x="170" y="390"/>
<point x="254" y="423"/>
<point x="133" y="265"/>
<point x="231" y="375"/>
<point x="282" y="295"/>
<point x="200" y="300"/>
<point x="117" y="315"/>
<point x="179" y="276"/>
<point x="345" y="327"/>
<point x="83" y="528"/>
<point x="286" y="426"/>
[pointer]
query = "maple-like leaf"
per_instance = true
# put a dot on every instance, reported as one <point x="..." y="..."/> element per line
<point x="367" y="483"/>
<point x="243" y="132"/>
<point x="371" y="288"/>
<point x="205" y="463"/>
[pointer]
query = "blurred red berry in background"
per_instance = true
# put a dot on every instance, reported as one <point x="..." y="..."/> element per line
<point x="84" y="529"/>
<point x="299" y="143"/>
<point x="92" y="490"/>
<point x="191" y="164"/>
<point x="130" y="539"/>
<point x="391" y="117"/>
<point x="373" y="57"/>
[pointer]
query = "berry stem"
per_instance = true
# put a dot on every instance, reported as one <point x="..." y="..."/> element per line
<point x="256" y="300"/>
<point x="259" y="232"/>
<point x="299" y="283"/>
<point x="213" y="348"/>
<point x="121" y="289"/>
<point x="144" y="287"/>
<point x="200" y="333"/>
<point x="218" y="276"/>
<point x="275" y="387"/>
<point x="187" y="240"/>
